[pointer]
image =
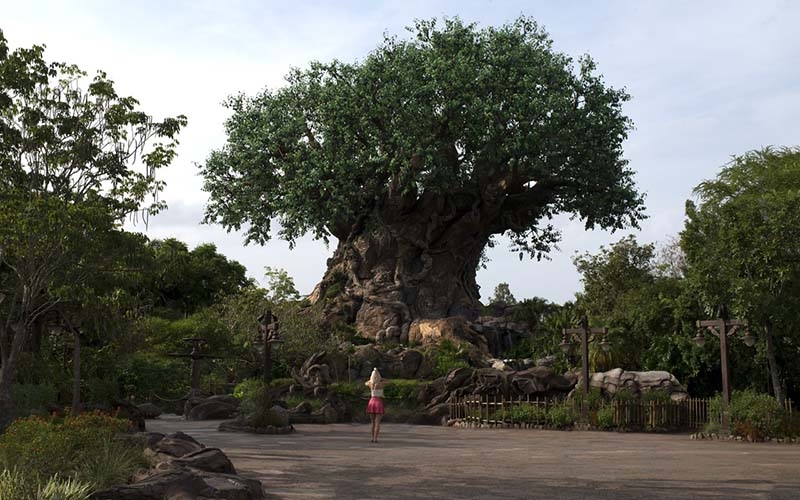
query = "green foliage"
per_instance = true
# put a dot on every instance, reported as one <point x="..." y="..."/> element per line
<point x="605" y="417"/>
<point x="256" y="405"/>
<point x="349" y="390"/>
<point x="72" y="446"/>
<point x="280" y="285"/>
<point x="407" y="390"/>
<point x="471" y="115"/>
<point x="248" y="386"/>
<point x="112" y="463"/>
<point x="740" y="242"/>
<point x="32" y="397"/>
<point x="503" y="295"/>
<point x="144" y="375"/>
<point x="751" y="414"/>
<point x="76" y="159"/>
<point x="561" y="416"/>
<point x="447" y="357"/>
<point x="18" y="485"/>
<point x="527" y="414"/>
<point x="292" y="401"/>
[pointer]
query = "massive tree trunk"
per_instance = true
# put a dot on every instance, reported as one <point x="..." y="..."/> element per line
<point x="9" y="357"/>
<point x="406" y="265"/>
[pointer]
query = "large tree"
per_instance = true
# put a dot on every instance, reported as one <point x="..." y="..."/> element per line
<point x="742" y="245"/>
<point x="68" y="178"/>
<point x="414" y="158"/>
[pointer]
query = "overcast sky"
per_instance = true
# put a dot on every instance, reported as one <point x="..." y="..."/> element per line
<point x="709" y="79"/>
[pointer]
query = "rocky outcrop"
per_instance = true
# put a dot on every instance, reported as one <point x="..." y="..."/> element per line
<point x="185" y="470"/>
<point x="455" y="329"/>
<point x="149" y="410"/>
<point x="616" y="380"/>
<point x="212" y="408"/>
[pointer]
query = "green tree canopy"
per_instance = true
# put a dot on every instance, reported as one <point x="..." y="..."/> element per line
<point x="416" y="156"/>
<point x="74" y="163"/>
<point x="493" y="116"/>
<point x="742" y="245"/>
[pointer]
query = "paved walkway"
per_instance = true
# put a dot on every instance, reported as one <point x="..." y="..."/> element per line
<point x="421" y="462"/>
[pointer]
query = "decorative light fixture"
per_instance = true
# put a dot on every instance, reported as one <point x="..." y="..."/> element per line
<point x="565" y="345"/>
<point x="605" y="344"/>
<point x="749" y="339"/>
<point x="700" y="339"/>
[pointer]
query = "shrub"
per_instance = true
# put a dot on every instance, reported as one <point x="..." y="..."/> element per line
<point x="560" y="416"/>
<point x="256" y="406"/>
<point x="447" y="357"/>
<point x="349" y="390"/>
<point x="112" y="463"/>
<point x="30" y="398"/>
<point x="293" y="401"/>
<point x="406" y="390"/>
<point x="56" y="446"/>
<point x="247" y="386"/>
<point x="605" y="417"/>
<point x="751" y="414"/>
<point x="527" y="414"/>
<point x="16" y="485"/>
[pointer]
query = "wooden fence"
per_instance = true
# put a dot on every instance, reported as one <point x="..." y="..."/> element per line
<point x="692" y="413"/>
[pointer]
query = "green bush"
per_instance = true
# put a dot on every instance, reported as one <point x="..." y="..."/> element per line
<point x="30" y="398"/>
<point x="751" y="414"/>
<point x="527" y="414"/>
<point x="256" y="406"/>
<point x="349" y="390"/>
<point x="406" y="390"/>
<point x="16" y="485"/>
<point x="605" y="417"/>
<point x="447" y="357"/>
<point x="560" y="416"/>
<point x="112" y="463"/>
<point x="84" y="447"/>
<point x="247" y="386"/>
<point x="293" y="401"/>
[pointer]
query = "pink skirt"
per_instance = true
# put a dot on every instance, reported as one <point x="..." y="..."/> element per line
<point x="375" y="406"/>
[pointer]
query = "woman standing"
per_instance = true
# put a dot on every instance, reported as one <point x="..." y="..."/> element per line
<point x="375" y="407"/>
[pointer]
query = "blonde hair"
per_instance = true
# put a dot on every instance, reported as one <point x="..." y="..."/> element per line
<point x="374" y="378"/>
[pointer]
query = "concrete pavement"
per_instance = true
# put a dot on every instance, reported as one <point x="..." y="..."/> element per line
<point x="421" y="462"/>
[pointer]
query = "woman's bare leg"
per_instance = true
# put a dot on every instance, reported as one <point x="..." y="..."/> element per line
<point x="377" y="426"/>
<point x="372" y="419"/>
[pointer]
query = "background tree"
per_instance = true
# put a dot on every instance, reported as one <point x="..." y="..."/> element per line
<point x="502" y="295"/>
<point x="742" y="244"/>
<point x="416" y="157"/>
<point x="66" y="182"/>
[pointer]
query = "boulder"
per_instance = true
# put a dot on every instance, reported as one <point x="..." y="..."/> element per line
<point x="185" y="484"/>
<point x="229" y="399"/>
<point x="212" y="410"/>
<point x="176" y="447"/>
<point x="149" y="410"/>
<point x="207" y="459"/>
<point x="615" y="380"/>
<point x="184" y="437"/>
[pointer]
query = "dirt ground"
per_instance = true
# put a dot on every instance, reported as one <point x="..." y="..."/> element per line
<point x="421" y="462"/>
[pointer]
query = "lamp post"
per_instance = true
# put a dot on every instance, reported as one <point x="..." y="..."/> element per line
<point x="195" y="356"/>
<point x="268" y="327"/>
<point x="723" y="327"/>
<point x="584" y="335"/>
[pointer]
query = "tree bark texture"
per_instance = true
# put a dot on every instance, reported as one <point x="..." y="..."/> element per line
<point x="406" y="265"/>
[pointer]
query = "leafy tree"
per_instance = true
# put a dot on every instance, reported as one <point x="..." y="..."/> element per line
<point x="742" y="241"/>
<point x="186" y="281"/>
<point x="416" y="157"/>
<point x="67" y="179"/>
<point x="280" y="285"/>
<point x="503" y="295"/>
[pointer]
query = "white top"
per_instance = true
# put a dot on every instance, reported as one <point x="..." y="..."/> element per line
<point x="377" y="393"/>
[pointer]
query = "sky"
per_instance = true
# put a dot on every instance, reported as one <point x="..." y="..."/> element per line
<point x="708" y="80"/>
